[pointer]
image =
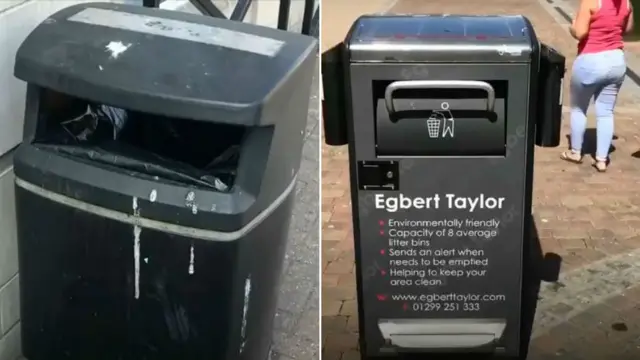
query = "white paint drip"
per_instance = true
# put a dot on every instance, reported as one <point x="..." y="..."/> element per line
<point x="136" y="255"/>
<point x="116" y="48"/>
<point x="192" y="260"/>
<point x="190" y="202"/>
<point x="136" y="249"/>
<point x="245" y="310"/>
<point x="136" y="211"/>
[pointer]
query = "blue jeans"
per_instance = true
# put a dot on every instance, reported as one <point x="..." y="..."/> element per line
<point x="597" y="75"/>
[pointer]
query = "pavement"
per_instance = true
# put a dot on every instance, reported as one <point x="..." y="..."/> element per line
<point x="588" y="224"/>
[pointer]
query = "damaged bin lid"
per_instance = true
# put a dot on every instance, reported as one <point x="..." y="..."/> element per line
<point x="164" y="62"/>
<point x="441" y="38"/>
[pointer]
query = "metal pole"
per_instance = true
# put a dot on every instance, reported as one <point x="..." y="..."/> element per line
<point x="309" y="6"/>
<point x="206" y="7"/>
<point x="241" y="10"/>
<point x="283" y="14"/>
<point x="151" y="3"/>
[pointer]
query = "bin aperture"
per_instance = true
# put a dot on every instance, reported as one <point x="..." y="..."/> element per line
<point x="145" y="189"/>
<point x="196" y="153"/>
<point x="439" y="113"/>
<point x="455" y="114"/>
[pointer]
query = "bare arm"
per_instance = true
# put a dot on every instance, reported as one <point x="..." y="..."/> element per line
<point x="629" y="27"/>
<point x="580" y="27"/>
<point x="572" y="29"/>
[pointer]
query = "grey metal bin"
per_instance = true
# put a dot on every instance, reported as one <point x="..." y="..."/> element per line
<point x="439" y="113"/>
<point x="155" y="182"/>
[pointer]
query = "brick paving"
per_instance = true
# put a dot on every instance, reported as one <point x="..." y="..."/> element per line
<point x="590" y="221"/>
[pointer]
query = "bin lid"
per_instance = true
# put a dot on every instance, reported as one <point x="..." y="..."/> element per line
<point x="441" y="38"/>
<point x="163" y="62"/>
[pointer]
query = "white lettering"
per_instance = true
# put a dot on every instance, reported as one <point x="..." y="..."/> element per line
<point x="395" y="203"/>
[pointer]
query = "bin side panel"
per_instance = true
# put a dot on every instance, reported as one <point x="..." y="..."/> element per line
<point x="439" y="255"/>
<point x="261" y="261"/>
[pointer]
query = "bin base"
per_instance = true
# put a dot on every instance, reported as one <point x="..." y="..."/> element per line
<point x="437" y="335"/>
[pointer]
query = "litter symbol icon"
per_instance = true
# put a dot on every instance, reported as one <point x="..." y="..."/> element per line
<point x="441" y="119"/>
<point x="433" y="124"/>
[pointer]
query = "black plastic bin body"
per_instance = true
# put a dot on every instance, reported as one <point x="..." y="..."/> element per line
<point x="334" y="101"/>
<point x="440" y="114"/>
<point x="129" y="248"/>
<point x="549" y="122"/>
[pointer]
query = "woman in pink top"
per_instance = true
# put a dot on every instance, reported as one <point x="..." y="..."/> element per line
<point x="598" y="72"/>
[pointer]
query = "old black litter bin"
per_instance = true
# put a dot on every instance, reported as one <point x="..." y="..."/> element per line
<point x="159" y="160"/>
<point x="439" y="113"/>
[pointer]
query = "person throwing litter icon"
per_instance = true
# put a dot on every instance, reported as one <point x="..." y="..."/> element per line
<point x="449" y="122"/>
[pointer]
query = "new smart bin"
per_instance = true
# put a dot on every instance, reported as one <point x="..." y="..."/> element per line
<point x="440" y="115"/>
<point x="159" y="161"/>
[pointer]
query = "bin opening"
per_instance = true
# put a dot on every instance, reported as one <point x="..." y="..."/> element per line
<point x="440" y="117"/>
<point x="173" y="149"/>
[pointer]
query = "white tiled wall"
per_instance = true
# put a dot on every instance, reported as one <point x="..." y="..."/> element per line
<point x="9" y="288"/>
<point x="17" y="19"/>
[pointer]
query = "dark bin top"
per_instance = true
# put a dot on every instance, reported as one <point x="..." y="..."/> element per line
<point x="441" y="38"/>
<point x="164" y="62"/>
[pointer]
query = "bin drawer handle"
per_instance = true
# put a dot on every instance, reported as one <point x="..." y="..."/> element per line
<point x="438" y="84"/>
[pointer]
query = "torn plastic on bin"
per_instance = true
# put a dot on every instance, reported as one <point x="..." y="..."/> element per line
<point x="102" y="134"/>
